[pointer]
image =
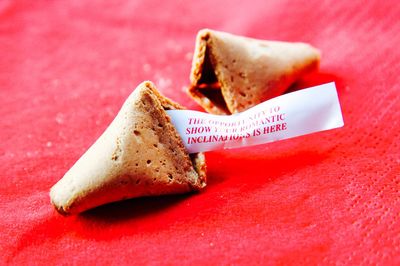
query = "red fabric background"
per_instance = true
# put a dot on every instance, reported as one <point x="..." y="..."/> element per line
<point x="67" y="66"/>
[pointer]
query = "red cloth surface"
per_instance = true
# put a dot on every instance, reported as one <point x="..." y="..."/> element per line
<point x="66" y="67"/>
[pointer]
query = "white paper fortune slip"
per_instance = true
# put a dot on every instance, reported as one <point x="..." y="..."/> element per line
<point x="287" y="116"/>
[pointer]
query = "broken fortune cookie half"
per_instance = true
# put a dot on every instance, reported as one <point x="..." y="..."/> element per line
<point x="139" y="154"/>
<point x="232" y="73"/>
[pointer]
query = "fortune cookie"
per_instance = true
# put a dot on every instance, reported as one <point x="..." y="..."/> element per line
<point x="233" y="73"/>
<point x="139" y="154"/>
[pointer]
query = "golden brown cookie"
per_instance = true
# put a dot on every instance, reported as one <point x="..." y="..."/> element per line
<point x="139" y="154"/>
<point x="233" y="73"/>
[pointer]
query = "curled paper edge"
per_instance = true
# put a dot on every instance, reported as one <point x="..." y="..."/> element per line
<point x="290" y="115"/>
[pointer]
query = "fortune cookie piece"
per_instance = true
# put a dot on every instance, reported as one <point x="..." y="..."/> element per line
<point x="139" y="154"/>
<point x="232" y="73"/>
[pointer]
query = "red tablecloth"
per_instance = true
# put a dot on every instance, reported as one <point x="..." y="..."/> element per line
<point x="67" y="66"/>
